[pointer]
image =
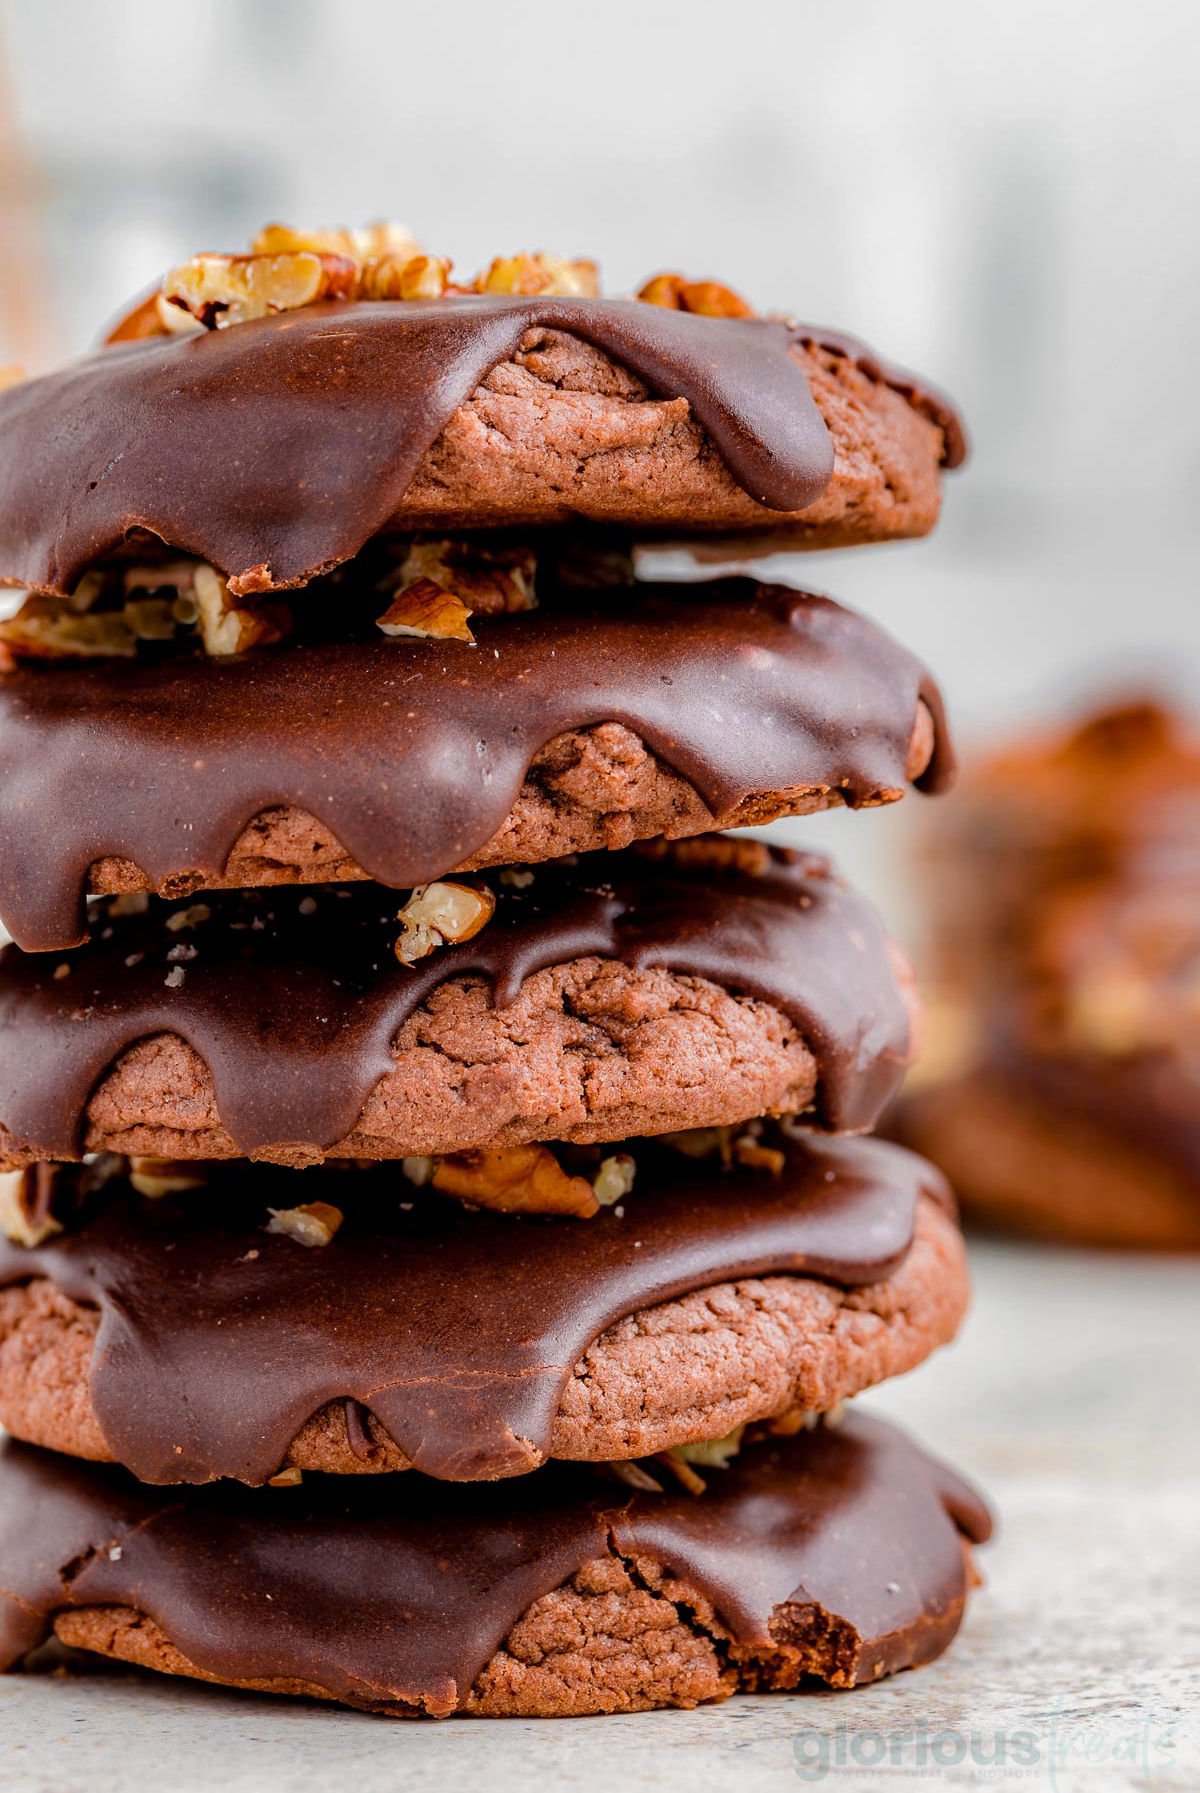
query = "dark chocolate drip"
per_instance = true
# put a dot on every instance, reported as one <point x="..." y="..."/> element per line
<point x="294" y="999"/>
<point x="396" y="1598"/>
<point x="414" y="752"/>
<point x="289" y="442"/>
<point x="459" y="1331"/>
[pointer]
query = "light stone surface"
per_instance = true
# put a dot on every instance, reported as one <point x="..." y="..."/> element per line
<point x="1072" y="1396"/>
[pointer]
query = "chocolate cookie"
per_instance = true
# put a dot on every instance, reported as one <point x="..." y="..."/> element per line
<point x="472" y="1345"/>
<point x="1083" y="1150"/>
<point x="1111" y="801"/>
<point x="343" y="421"/>
<point x="1065" y="934"/>
<point x="620" y="995"/>
<point x="661" y="711"/>
<point x="841" y="1554"/>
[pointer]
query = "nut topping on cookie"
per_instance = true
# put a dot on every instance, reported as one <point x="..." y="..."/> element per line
<point x="516" y="1180"/>
<point x="545" y="274"/>
<point x="26" y="1202"/>
<point x="426" y="609"/>
<point x="490" y="581"/>
<point x="436" y="914"/>
<point x="313" y="1223"/>
<point x="405" y="277"/>
<point x="111" y="611"/>
<point x="215" y="290"/>
<point x="156" y="1177"/>
<point x="748" y="1152"/>
<point x="614" y="1179"/>
<point x="705" y="298"/>
<point x="287" y="269"/>
<point x="368" y="243"/>
<point x="226" y="629"/>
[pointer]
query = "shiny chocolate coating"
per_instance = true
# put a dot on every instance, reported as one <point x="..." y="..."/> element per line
<point x="458" y="1330"/>
<point x="396" y="1597"/>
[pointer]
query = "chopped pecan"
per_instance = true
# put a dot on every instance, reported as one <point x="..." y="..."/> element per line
<point x="106" y="616"/>
<point x="217" y="290"/>
<point x="546" y="274"/>
<point x="191" y="917"/>
<point x="682" y="1470"/>
<point x="368" y="243"/>
<point x="441" y="913"/>
<point x="701" y="1142"/>
<point x="144" y="319"/>
<point x="489" y="580"/>
<point x="635" y="1476"/>
<point x="614" y="1179"/>
<point x="712" y="852"/>
<point x="712" y="1453"/>
<point x="226" y="629"/>
<point x="26" y="1204"/>
<point x="313" y="1223"/>
<point x="156" y="1177"/>
<point x="151" y="619"/>
<point x="419" y="1169"/>
<point x="748" y="1152"/>
<point x="405" y="277"/>
<point x="427" y="610"/>
<point x="47" y="628"/>
<point x="516" y="1180"/>
<point x="706" y="298"/>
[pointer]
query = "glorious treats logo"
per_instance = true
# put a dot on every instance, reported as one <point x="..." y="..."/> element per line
<point x="1044" y="1753"/>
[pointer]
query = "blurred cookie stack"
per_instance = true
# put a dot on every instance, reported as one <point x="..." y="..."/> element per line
<point x="426" y="1086"/>
<point x="1061" y="1084"/>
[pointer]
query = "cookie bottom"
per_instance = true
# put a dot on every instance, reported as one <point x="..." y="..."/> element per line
<point x="838" y="1556"/>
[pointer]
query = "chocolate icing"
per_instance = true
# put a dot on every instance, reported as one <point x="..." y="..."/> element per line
<point x="413" y="752"/>
<point x="458" y="1330"/>
<point x="289" y="442"/>
<point x="308" y="985"/>
<point x="394" y="1596"/>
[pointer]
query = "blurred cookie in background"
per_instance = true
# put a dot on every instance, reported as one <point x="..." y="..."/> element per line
<point x="1060" y="1086"/>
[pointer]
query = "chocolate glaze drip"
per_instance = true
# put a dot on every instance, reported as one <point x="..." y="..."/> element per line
<point x="395" y="1598"/>
<point x="293" y="1000"/>
<point x="459" y="1331"/>
<point x="289" y="442"/>
<point x="414" y="752"/>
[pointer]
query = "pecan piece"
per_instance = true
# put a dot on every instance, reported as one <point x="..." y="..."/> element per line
<point x="217" y="290"/>
<point x="546" y="274"/>
<point x="516" y="1180"/>
<point x="428" y="610"/>
<point x="439" y="913"/>
<point x="705" y="298"/>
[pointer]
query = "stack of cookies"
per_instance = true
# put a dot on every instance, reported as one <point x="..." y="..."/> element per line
<point x="440" y="1236"/>
<point x="1061" y="1089"/>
